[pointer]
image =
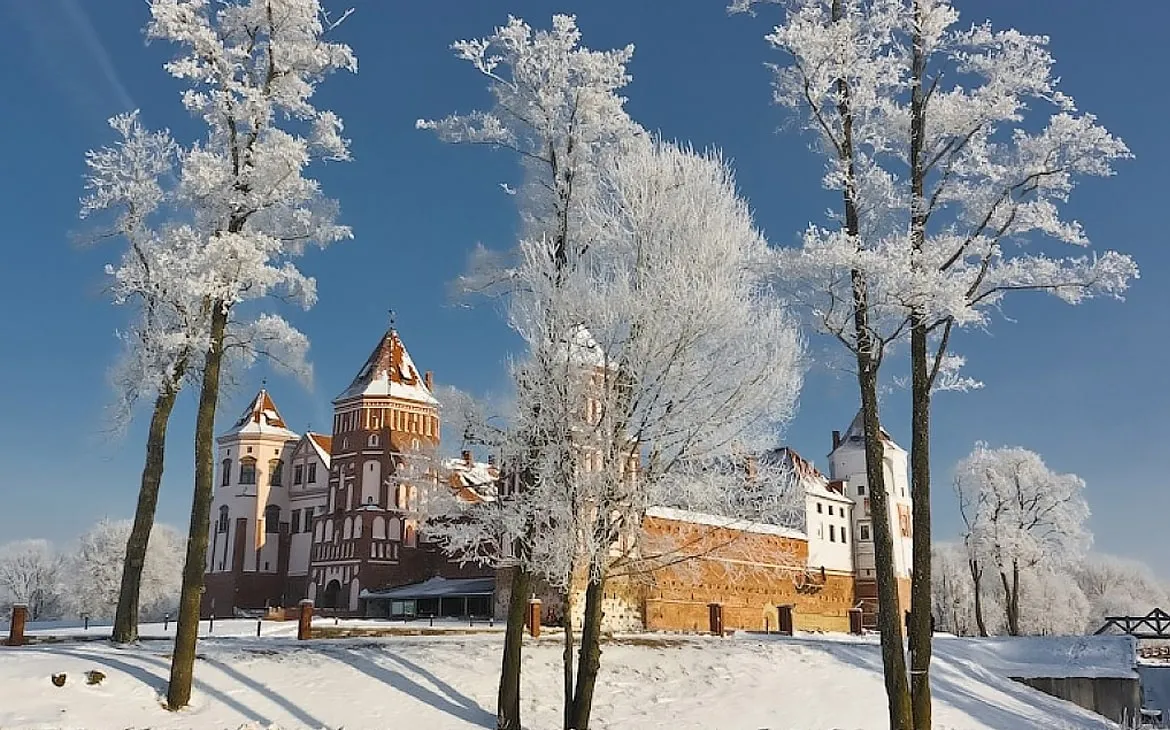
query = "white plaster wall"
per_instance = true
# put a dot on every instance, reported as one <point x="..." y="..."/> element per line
<point x="848" y="463"/>
<point x="832" y="555"/>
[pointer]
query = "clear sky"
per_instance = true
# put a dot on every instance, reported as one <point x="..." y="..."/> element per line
<point x="1086" y="387"/>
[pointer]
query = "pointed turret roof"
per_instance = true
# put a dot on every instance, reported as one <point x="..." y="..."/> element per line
<point x="261" y="417"/>
<point x="855" y="434"/>
<point x="389" y="372"/>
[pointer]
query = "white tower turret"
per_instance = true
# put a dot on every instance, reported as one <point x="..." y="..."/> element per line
<point x="847" y="462"/>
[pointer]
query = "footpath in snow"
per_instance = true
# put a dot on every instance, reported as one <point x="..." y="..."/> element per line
<point x="745" y="682"/>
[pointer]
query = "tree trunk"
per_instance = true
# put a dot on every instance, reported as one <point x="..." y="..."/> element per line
<point x="977" y="584"/>
<point x="126" y="616"/>
<point x="567" y="657"/>
<point x="590" y="656"/>
<point x="868" y="361"/>
<point x="508" y="702"/>
<point x="889" y="611"/>
<point x="1011" y="599"/>
<point x="920" y="589"/>
<point x="921" y="382"/>
<point x="187" y="627"/>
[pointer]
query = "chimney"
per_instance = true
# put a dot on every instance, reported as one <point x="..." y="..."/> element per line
<point x="467" y="458"/>
<point x="427" y="378"/>
<point x="836" y="439"/>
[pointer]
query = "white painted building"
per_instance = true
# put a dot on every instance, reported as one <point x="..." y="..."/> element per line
<point x="270" y="486"/>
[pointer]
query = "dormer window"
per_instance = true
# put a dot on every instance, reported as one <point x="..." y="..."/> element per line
<point x="298" y="474"/>
<point x="312" y="473"/>
<point x="247" y="471"/>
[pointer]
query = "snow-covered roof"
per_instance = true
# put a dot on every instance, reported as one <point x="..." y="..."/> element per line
<point x="582" y="348"/>
<point x="814" y="482"/>
<point x="261" y="418"/>
<point x="476" y="480"/>
<point x="389" y="373"/>
<point x="729" y="523"/>
<point x="854" y="436"/>
<point x="322" y="444"/>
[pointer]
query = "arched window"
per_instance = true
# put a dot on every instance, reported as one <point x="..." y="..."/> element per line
<point x="373" y="440"/>
<point x="347" y="529"/>
<point x="400" y="497"/>
<point x="247" y="470"/>
<point x="222" y="524"/>
<point x="226" y="470"/>
<point x="411" y="536"/>
<point x="272" y="519"/>
<point x="379" y="528"/>
<point x="274" y="472"/>
<point x="357" y="526"/>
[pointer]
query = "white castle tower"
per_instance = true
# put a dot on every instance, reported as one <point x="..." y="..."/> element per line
<point x="847" y="463"/>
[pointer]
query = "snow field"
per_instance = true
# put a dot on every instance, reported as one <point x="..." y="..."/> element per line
<point x="449" y="682"/>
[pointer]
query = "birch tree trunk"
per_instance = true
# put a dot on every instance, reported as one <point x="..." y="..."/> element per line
<point x="187" y="627"/>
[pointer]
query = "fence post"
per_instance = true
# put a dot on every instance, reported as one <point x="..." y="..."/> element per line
<point x="16" y="628"/>
<point x="855" y="621"/>
<point x="305" y="620"/>
<point x="534" y="617"/>
<point x="715" y="618"/>
<point x="784" y="620"/>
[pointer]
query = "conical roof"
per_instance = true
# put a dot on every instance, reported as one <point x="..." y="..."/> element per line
<point x="389" y="373"/>
<point x="854" y="436"/>
<point x="261" y="417"/>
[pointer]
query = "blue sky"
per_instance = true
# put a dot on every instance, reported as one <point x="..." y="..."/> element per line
<point x="1083" y="386"/>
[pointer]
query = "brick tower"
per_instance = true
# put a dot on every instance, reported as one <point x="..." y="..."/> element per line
<point x="385" y="436"/>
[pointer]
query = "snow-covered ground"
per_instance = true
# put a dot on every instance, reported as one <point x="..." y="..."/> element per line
<point x="244" y="627"/>
<point x="684" y="683"/>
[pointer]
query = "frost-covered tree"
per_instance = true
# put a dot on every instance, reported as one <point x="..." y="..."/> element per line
<point x="94" y="571"/>
<point x="1116" y="586"/>
<point x="1030" y="519"/>
<point x="958" y="147"/>
<point x="682" y="358"/>
<point x="128" y="180"/>
<point x="31" y="573"/>
<point x="556" y="105"/>
<point x="251" y="68"/>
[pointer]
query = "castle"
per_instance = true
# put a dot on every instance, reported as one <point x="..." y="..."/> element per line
<point x="335" y="518"/>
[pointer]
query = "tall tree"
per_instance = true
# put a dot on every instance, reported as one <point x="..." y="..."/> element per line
<point x="556" y="105"/>
<point x="968" y="145"/>
<point x="686" y="359"/>
<point x="837" y="80"/>
<point x="127" y="179"/>
<point x="1031" y="519"/>
<point x="252" y="67"/>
